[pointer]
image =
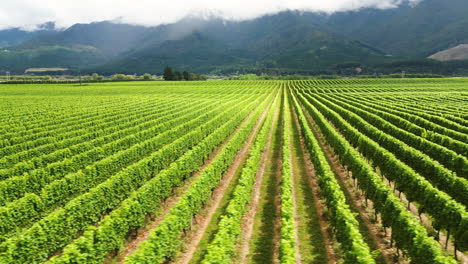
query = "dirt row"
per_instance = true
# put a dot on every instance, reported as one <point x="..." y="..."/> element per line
<point x="248" y="219"/>
<point x="306" y="180"/>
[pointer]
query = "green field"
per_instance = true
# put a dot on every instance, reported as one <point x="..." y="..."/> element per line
<point x="313" y="171"/>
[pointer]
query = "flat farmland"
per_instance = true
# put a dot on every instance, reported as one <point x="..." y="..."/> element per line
<point x="312" y="171"/>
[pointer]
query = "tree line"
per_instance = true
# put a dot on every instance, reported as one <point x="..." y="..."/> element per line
<point x="172" y="75"/>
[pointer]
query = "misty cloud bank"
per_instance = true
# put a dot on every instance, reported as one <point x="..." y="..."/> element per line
<point x="27" y="14"/>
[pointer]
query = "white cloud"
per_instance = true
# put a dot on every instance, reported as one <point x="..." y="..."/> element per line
<point x="28" y="13"/>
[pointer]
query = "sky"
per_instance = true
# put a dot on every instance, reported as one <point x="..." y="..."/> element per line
<point x="27" y="14"/>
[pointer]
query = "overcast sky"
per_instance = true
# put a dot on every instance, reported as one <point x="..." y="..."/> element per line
<point x="28" y="13"/>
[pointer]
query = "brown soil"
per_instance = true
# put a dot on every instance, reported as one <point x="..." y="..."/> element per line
<point x="296" y="217"/>
<point x="194" y="236"/>
<point x="313" y="185"/>
<point x="459" y="52"/>
<point x="277" y="225"/>
<point x="167" y="205"/>
<point x="378" y="237"/>
<point x="248" y="219"/>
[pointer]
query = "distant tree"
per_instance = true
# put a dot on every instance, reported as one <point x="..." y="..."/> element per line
<point x="193" y="76"/>
<point x="95" y="76"/>
<point x="87" y="78"/>
<point x="168" y="74"/>
<point x="119" y="77"/>
<point x="178" y="76"/>
<point x="146" y="76"/>
<point x="186" y="75"/>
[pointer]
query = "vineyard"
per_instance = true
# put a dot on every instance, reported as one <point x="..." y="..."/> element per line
<point x="312" y="171"/>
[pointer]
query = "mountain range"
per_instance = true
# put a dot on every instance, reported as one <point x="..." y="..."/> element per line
<point x="287" y="42"/>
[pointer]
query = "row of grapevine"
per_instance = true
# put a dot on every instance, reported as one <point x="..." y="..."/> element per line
<point x="420" y="139"/>
<point x="445" y="105"/>
<point x="23" y="143"/>
<point x="55" y="136"/>
<point x="223" y="246"/>
<point x="33" y="124"/>
<point x="341" y="218"/>
<point x="163" y="240"/>
<point x="105" y="146"/>
<point x="436" y="174"/>
<point x="408" y="234"/>
<point x="34" y="181"/>
<point x="93" y="116"/>
<point x="36" y="158"/>
<point x="288" y="244"/>
<point x="24" y="211"/>
<point x="438" y="138"/>
<point x="441" y="112"/>
<point x="97" y="242"/>
<point x="60" y="227"/>
<point x="454" y="126"/>
<point x="60" y="110"/>
<point x="422" y="122"/>
<point x="83" y="170"/>
<point x="453" y="217"/>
